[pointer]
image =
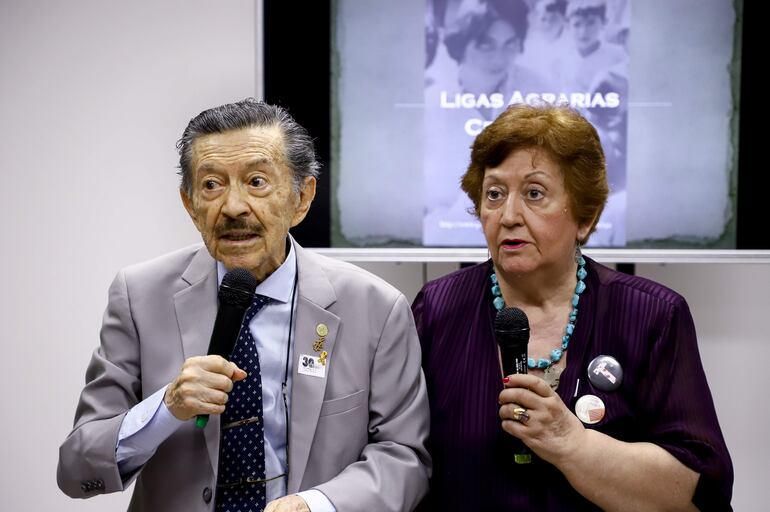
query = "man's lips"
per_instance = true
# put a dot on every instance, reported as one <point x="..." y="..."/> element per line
<point x="238" y="236"/>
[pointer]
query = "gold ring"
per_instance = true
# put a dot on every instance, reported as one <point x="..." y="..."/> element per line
<point x="520" y="414"/>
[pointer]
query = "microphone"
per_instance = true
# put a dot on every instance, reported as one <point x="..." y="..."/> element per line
<point x="236" y="294"/>
<point x="512" y="335"/>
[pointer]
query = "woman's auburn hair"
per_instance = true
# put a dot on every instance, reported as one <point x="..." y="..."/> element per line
<point x="561" y="133"/>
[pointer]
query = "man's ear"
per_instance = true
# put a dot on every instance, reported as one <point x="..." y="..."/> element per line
<point x="188" y="205"/>
<point x="306" y="196"/>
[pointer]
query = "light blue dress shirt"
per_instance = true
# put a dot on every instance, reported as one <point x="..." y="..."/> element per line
<point x="149" y="423"/>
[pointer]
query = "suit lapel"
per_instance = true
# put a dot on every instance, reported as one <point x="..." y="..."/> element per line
<point x="196" y="310"/>
<point x="307" y="393"/>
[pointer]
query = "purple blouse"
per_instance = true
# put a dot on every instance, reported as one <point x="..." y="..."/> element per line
<point x="663" y="398"/>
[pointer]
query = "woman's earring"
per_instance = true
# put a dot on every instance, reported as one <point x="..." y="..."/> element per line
<point x="578" y="252"/>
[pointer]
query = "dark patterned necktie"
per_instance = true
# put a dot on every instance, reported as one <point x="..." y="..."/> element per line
<point x="240" y="482"/>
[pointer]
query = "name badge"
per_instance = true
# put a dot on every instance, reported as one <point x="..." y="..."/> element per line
<point x="311" y="365"/>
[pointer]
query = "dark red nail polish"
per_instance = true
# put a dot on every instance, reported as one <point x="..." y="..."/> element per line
<point x="505" y="380"/>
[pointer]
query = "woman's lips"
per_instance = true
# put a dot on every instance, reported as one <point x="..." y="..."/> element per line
<point x="513" y="244"/>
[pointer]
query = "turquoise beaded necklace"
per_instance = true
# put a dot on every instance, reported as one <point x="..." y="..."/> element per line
<point x="557" y="353"/>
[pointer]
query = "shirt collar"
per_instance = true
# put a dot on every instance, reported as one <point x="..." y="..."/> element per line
<point x="279" y="284"/>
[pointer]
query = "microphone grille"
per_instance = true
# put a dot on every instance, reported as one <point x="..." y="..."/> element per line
<point x="511" y="319"/>
<point x="237" y="288"/>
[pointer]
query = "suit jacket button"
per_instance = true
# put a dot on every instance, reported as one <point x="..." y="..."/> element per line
<point x="207" y="494"/>
<point x="84" y="487"/>
<point x="100" y="484"/>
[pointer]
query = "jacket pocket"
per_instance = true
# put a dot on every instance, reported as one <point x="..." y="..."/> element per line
<point x="343" y="404"/>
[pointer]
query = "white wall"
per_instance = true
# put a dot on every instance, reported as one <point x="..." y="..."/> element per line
<point x="93" y="96"/>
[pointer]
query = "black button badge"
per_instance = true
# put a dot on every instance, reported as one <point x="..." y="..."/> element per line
<point x="605" y="373"/>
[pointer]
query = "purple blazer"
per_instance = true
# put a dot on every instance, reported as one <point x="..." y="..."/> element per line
<point x="663" y="398"/>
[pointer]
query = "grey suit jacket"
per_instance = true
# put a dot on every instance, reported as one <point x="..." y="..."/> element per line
<point x="357" y="435"/>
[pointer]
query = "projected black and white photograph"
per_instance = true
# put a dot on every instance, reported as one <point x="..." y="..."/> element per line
<point x="416" y="81"/>
<point x="482" y="56"/>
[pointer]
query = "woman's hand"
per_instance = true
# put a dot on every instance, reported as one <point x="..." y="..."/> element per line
<point x="595" y="464"/>
<point x="548" y="428"/>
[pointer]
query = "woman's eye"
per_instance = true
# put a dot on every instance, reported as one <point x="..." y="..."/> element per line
<point x="534" y="194"/>
<point x="512" y="45"/>
<point x="494" y="194"/>
<point x="485" y="44"/>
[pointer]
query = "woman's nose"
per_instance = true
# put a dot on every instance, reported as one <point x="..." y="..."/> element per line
<point x="511" y="211"/>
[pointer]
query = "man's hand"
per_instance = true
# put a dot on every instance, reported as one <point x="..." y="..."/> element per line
<point x="291" y="503"/>
<point x="201" y="387"/>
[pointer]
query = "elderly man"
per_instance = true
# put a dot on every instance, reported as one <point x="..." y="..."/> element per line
<point x="322" y="405"/>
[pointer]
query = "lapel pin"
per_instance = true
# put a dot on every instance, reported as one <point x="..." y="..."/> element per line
<point x="321" y="330"/>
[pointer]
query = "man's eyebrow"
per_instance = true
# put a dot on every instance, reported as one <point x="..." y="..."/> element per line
<point x="213" y="166"/>
<point x="257" y="162"/>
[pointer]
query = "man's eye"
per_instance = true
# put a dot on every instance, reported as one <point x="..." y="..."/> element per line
<point x="209" y="184"/>
<point x="257" y="182"/>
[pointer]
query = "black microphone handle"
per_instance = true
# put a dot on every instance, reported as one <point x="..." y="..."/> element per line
<point x="513" y="356"/>
<point x="227" y="326"/>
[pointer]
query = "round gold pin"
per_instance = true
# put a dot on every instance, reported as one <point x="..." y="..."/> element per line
<point x="322" y="330"/>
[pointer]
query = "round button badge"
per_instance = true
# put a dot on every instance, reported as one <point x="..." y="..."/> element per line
<point x="590" y="409"/>
<point x="605" y="373"/>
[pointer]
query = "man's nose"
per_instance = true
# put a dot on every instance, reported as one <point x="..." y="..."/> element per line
<point x="236" y="203"/>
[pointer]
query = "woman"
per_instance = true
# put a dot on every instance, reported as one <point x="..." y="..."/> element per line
<point x="485" y="44"/>
<point x="615" y="408"/>
<point x="473" y="77"/>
